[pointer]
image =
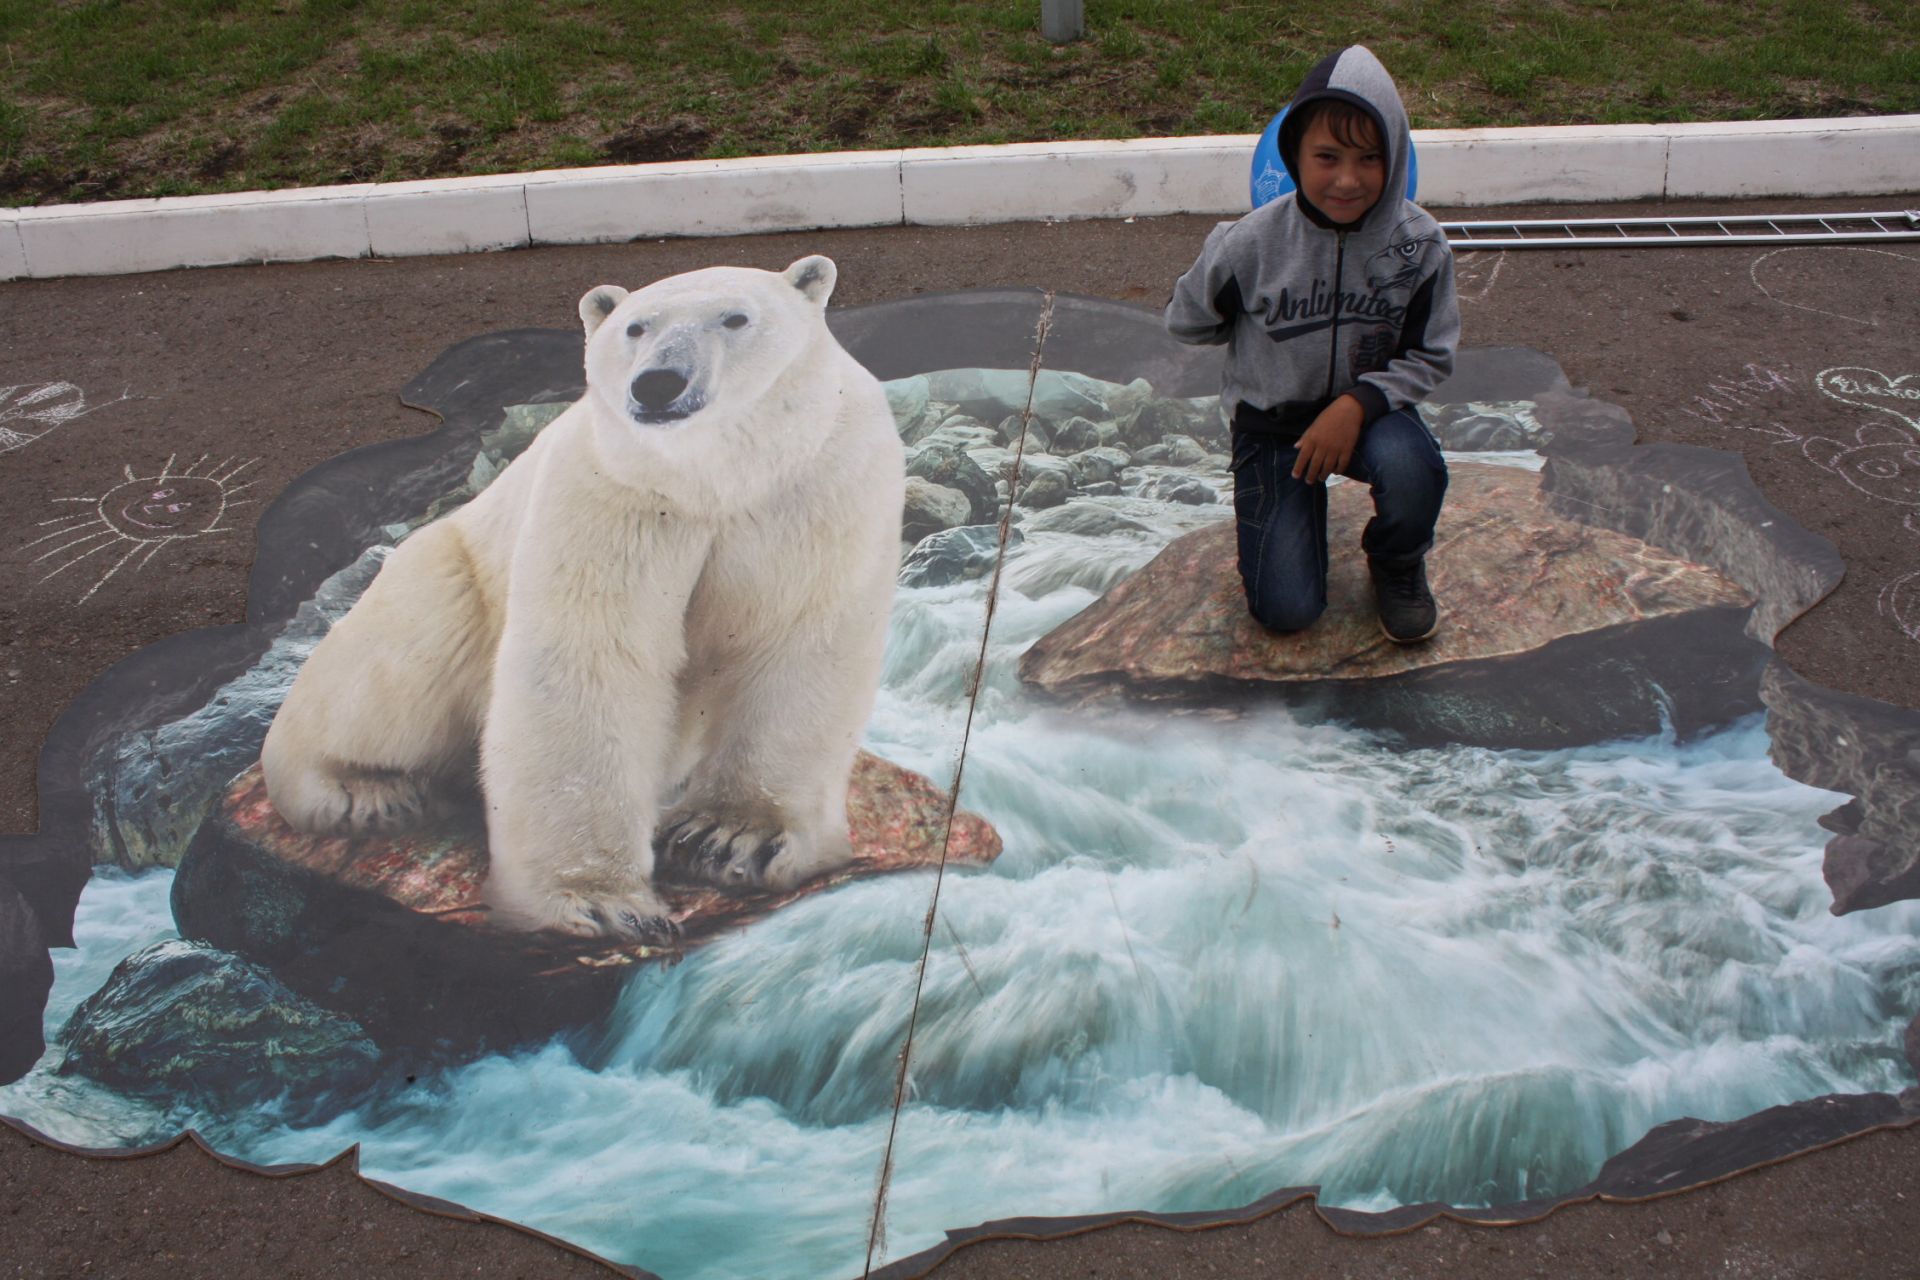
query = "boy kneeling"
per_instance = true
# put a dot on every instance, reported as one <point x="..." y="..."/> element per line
<point x="1337" y="307"/>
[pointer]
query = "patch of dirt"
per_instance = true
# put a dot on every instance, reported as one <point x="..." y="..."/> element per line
<point x="681" y="138"/>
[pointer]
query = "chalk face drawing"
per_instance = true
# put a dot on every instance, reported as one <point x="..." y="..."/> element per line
<point x="1882" y="462"/>
<point x="1871" y="389"/>
<point x="30" y="410"/>
<point x="139" y="516"/>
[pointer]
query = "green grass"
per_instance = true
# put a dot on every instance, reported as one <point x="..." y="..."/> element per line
<point x="117" y="98"/>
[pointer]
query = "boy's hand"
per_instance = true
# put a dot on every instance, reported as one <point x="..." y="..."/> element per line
<point x="1327" y="446"/>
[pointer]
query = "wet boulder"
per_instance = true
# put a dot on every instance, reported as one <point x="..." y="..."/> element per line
<point x="1093" y="466"/>
<point x="931" y="507"/>
<point x="1085" y="519"/>
<point x="183" y="1019"/>
<point x="1182" y="489"/>
<point x="1552" y="632"/>
<point x="1076" y="434"/>
<point x="393" y="931"/>
<point x="1042" y="489"/>
<point x="949" y="467"/>
<point x="1174" y="451"/>
<point x="955" y="555"/>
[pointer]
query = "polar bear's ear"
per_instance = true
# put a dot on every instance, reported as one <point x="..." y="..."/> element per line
<point x="814" y="277"/>
<point x="598" y="304"/>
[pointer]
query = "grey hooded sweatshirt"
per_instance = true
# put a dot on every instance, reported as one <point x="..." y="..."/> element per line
<point x="1310" y="309"/>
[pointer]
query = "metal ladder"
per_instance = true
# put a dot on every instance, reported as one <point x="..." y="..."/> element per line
<point x="1640" y="233"/>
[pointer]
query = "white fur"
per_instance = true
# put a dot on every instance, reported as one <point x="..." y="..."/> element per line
<point x="647" y="629"/>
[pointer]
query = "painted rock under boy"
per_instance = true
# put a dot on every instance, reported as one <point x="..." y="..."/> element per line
<point x="1551" y="632"/>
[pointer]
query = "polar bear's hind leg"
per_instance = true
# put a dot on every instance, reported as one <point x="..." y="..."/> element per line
<point x="383" y="717"/>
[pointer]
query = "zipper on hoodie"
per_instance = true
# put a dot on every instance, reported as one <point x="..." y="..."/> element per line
<point x="1333" y="340"/>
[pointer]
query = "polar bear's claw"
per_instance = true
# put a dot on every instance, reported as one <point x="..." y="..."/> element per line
<point x="729" y="855"/>
<point x="628" y="918"/>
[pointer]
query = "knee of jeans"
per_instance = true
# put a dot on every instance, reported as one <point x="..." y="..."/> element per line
<point x="1284" y="614"/>
<point x="1412" y="476"/>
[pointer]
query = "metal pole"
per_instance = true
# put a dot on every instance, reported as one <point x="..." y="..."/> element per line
<point x="1062" y="21"/>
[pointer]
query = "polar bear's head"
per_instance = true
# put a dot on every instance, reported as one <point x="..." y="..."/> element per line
<point x="697" y="352"/>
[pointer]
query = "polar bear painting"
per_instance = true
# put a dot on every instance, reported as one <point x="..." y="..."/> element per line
<point x="660" y="627"/>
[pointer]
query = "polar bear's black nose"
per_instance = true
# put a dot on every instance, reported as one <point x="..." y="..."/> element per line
<point x="655" y="389"/>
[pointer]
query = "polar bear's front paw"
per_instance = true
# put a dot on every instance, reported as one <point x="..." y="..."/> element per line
<point x="730" y="853"/>
<point x="367" y="803"/>
<point x="627" y="917"/>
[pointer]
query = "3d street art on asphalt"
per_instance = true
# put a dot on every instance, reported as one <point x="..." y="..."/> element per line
<point x="1004" y="867"/>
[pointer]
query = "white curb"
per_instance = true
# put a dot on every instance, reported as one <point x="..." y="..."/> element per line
<point x="1875" y="155"/>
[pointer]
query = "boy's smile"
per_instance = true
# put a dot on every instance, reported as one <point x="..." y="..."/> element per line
<point x="1341" y="181"/>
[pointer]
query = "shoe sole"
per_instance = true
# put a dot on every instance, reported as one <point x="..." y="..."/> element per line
<point x="1419" y="639"/>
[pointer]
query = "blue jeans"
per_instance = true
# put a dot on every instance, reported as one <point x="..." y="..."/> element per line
<point x="1283" y="521"/>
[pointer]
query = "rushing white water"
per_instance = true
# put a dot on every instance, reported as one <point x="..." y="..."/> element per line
<point x="1218" y="957"/>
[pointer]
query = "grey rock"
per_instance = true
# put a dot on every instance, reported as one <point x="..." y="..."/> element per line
<point x="955" y="555"/>
<point x="1104" y="489"/>
<point x="1183" y="451"/>
<point x="1182" y="489"/>
<point x="932" y="507"/>
<point x="1042" y="489"/>
<point x="1093" y="466"/>
<point x="964" y="431"/>
<point x="1039" y="439"/>
<point x="183" y="1018"/>
<point x="952" y="469"/>
<point x="1088" y="519"/>
<point x="1076" y="434"/>
<point x="1158" y="419"/>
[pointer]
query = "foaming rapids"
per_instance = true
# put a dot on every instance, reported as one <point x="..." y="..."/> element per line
<point x="1219" y="956"/>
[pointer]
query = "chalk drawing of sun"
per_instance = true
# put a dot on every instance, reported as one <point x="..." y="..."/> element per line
<point x="140" y="515"/>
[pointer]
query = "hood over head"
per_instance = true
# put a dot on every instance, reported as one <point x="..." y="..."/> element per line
<point x="1354" y="75"/>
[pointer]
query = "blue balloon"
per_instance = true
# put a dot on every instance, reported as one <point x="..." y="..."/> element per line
<point x="1271" y="179"/>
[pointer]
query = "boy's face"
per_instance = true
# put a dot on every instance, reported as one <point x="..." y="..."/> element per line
<point x="1341" y="181"/>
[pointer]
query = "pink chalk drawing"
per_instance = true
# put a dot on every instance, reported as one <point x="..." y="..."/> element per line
<point x="142" y="514"/>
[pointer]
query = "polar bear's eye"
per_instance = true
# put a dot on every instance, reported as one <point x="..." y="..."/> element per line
<point x="735" y="321"/>
<point x="635" y="329"/>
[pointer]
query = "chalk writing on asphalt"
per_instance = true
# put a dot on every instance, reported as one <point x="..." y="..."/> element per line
<point x="1882" y="460"/>
<point x="1871" y="389"/>
<point x="29" y="410"/>
<point x="137" y="517"/>
<point x="1726" y="396"/>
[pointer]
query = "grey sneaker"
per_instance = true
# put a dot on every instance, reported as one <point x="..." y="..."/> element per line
<point x="1408" y="614"/>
